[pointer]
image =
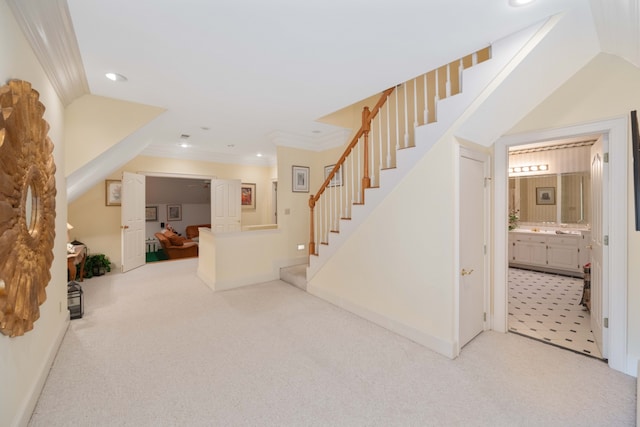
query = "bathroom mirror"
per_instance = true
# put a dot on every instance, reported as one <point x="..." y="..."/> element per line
<point x="572" y="198"/>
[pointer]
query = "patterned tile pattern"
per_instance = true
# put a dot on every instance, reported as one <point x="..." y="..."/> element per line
<point x="547" y="307"/>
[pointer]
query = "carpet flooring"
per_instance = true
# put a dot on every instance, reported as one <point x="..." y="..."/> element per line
<point x="157" y="347"/>
<point x="547" y="307"/>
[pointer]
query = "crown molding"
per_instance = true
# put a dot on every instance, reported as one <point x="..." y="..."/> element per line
<point x="47" y="26"/>
<point x="207" y="156"/>
<point x="324" y="142"/>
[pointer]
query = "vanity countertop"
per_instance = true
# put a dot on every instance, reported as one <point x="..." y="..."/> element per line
<point x="560" y="231"/>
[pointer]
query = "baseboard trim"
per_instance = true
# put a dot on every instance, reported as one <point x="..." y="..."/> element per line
<point x="445" y="348"/>
<point x="29" y="404"/>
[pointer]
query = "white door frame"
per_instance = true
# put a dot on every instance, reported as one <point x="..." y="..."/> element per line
<point x="485" y="158"/>
<point x="616" y="129"/>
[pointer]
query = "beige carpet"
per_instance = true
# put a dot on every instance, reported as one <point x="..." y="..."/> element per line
<point x="157" y="348"/>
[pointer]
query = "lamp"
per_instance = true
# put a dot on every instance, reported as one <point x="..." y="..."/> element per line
<point x="69" y="228"/>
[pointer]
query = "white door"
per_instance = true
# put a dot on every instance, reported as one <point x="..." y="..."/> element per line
<point x="133" y="221"/>
<point x="598" y="249"/>
<point x="225" y="205"/>
<point x="472" y="278"/>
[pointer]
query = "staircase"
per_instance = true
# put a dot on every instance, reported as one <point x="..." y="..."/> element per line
<point x="387" y="133"/>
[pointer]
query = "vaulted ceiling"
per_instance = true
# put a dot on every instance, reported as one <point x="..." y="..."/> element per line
<point x="240" y="76"/>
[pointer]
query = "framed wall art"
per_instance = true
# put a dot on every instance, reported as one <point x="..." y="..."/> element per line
<point x="300" y="179"/>
<point x="151" y="213"/>
<point x="248" y="196"/>
<point x="174" y="213"/>
<point x="545" y="195"/>
<point x="337" y="178"/>
<point x="113" y="192"/>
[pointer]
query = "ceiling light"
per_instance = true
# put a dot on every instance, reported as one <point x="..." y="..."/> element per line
<point x="115" y="77"/>
<point x="259" y="154"/>
<point x="518" y="3"/>
<point x="183" y="141"/>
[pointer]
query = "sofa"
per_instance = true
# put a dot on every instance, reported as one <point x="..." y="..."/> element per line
<point x="192" y="230"/>
<point x="176" y="247"/>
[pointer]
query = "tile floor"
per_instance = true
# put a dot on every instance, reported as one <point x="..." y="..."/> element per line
<point x="547" y="307"/>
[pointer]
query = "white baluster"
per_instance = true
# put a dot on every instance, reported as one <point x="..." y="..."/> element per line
<point x="353" y="174"/>
<point x="448" y="83"/>
<point x="359" y="179"/>
<point x="388" y="138"/>
<point x="415" y="103"/>
<point x="406" y="117"/>
<point x="436" y="95"/>
<point x="397" y="119"/>
<point x="380" y="141"/>
<point x="426" y="103"/>
<point x="460" y="70"/>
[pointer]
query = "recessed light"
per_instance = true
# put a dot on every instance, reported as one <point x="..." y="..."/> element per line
<point x="184" y="145"/>
<point x="115" y="77"/>
<point x="259" y="154"/>
<point x="518" y="3"/>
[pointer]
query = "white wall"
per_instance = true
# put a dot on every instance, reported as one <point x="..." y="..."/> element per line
<point x="605" y="88"/>
<point x="25" y="361"/>
<point x="396" y="268"/>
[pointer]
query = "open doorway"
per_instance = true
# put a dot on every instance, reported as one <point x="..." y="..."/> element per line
<point x="553" y="200"/>
<point x="179" y="204"/>
<point x="613" y="235"/>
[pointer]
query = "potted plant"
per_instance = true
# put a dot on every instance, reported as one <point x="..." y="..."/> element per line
<point x="96" y="265"/>
<point x="513" y="219"/>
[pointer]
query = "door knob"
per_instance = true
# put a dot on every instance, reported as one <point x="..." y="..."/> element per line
<point x="465" y="272"/>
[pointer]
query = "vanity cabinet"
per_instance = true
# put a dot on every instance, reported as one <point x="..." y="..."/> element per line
<point x="560" y="253"/>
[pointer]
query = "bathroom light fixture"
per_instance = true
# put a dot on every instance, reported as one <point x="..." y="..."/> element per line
<point x="528" y="168"/>
<point x="115" y="77"/>
<point x="518" y="3"/>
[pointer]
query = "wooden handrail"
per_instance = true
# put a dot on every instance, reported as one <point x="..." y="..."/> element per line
<point x="367" y="117"/>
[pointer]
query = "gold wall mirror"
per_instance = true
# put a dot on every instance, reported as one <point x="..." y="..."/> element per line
<point x="27" y="207"/>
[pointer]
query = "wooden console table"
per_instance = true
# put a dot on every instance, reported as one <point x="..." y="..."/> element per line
<point x="74" y="259"/>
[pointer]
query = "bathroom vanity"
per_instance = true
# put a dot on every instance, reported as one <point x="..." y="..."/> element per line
<point x="563" y="251"/>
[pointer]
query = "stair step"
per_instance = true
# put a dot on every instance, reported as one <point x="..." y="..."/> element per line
<point x="295" y="275"/>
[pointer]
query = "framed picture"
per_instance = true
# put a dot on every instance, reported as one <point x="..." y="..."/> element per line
<point x="300" y="177"/>
<point x="174" y="213"/>
<point x="113" y="192"/>
<point x="545" y="195"/>
<point x="151" y="213"/>
<point x="248" y="196"/>
<point x="337" y="178"/>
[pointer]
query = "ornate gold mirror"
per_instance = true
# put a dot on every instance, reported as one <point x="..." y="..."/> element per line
<point x="27" y="207"/>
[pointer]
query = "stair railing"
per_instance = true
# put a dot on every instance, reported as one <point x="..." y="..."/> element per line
<point x="388" y="127"/>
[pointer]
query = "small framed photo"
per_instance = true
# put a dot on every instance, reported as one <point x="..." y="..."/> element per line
<point x="545" y="195"/>
<point x="337" y="178"/>
<point x="174" y="213"/>
<point x="248" y="196"/>
<point x="300" y="179"/>
<point x="151" y="213"/>
<point x="113" y="192"/>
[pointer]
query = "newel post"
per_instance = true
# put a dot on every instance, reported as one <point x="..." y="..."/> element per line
<point x="312" y="243"/>
<point x="366" y="127"/>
